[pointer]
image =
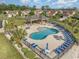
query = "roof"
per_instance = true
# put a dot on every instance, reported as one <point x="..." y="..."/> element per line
<point x="44" y="18"/>
<point x="77" y="17"/>
<point x="35" y="17"/>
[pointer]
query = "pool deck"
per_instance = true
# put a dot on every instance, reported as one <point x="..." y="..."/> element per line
<point x="73" y="53"/>
<point x="52" y="42"/>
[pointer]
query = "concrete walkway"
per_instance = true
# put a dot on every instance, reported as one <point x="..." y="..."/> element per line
<point x="73" y="53"/>
<point x="19" y="50"/>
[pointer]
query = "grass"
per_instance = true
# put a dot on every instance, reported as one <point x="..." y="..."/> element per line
<point x="14" y="21"/>
<point x="2" y="17"/>
<point x="7" y="51"/>
<point x="17" y="21"/>
<point x="29" y="53"/>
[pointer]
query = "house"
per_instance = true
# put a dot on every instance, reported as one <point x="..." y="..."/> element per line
<point x="11" y="13"/>
<point x="51" y="12"/>
<point x="25" y="12"/>
<point x="68" y="12"/>
<point x="38" y="12"/>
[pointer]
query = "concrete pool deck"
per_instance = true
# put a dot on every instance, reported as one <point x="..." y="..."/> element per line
<point x="73" y="53"/>
<point x="53" y="43"/>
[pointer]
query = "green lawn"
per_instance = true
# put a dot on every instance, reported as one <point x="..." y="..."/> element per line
<point x="7" y="51"/>
<point x="14" y="21"/>
<point x="17" y="21"/>
<point x="29" y="53"/>
<point x="2" y="16"/>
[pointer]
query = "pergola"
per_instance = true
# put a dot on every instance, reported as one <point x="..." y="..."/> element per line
<point x="36" y="18"/>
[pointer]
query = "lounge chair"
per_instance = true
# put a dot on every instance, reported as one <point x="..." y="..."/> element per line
<point x="69" y="41"/>
<point x="66" y="45"/>
<point x="34" y="45"/>
<point x="63" y="46"/>
<point x="58" y="50"/>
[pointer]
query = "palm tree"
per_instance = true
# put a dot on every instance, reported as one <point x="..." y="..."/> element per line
<point x="43" y="13"/>
<point x="9" y="25"/>
<point x="18" y="35"/>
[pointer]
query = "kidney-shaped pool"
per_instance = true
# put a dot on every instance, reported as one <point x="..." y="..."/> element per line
<point x="43" y="33"/>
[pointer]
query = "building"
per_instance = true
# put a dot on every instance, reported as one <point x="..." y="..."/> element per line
<point x="25" y="12"/>
<point x="38" y="12"/>
<point x="36" y="18"/>
<point x="51" y="12"/>
<point x="11" y="13"/>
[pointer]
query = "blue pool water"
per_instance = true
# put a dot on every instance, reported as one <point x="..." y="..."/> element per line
<point x="43" y="33"/>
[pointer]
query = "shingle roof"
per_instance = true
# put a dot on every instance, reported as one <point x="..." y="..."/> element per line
<point x="35" y="17"/>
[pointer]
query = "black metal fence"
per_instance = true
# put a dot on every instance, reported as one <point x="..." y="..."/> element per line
<point x="70" y="34"/>
<point x="37" y="50"/>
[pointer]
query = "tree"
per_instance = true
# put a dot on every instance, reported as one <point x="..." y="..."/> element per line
<point x="9" y="25"/>
<point x="47" y="7"/>
<point x="31" y="13"/>
<point x="11" y="7"/>
<point x="34" y="7"/>
<point x="18" y="35"/>
<point x="43" y="13"/>
<point x="42" y="8"/>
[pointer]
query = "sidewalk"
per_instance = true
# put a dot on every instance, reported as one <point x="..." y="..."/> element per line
<point x="73" y="53"/>
<point x="19" y="50"/>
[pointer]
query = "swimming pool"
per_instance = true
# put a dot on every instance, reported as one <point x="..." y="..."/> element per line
<point x="43" y="33"/>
